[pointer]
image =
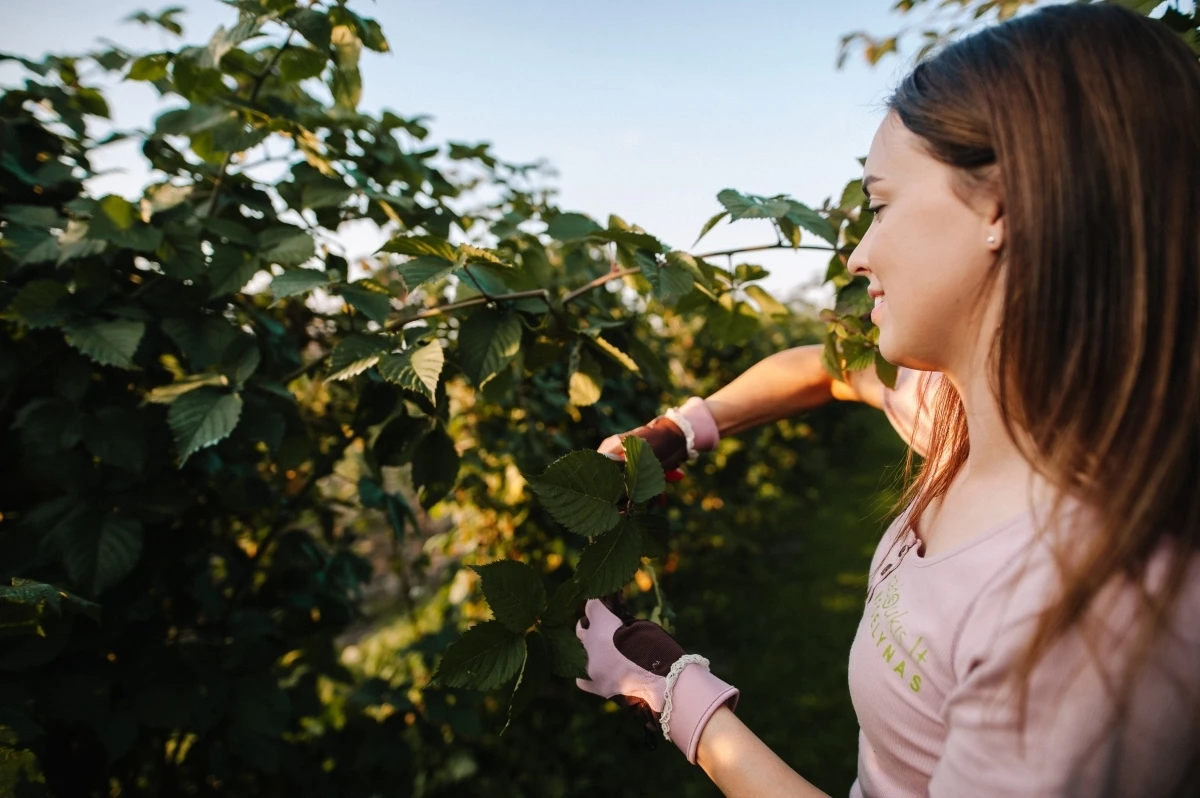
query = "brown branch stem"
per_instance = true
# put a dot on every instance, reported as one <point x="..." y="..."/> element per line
<point x="259" y="80"/>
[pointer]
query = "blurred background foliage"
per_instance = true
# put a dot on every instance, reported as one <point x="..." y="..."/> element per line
<point x="244" y="479"/>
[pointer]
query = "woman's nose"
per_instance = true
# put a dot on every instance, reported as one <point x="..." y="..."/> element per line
<point x="857" y="264"/>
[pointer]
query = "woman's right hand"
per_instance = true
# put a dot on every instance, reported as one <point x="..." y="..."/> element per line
<point x="668" y="438"/>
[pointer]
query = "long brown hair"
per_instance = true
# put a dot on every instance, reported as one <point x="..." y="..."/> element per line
<point x="1084" y="120"/>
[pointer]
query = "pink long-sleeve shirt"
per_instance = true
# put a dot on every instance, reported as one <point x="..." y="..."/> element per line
<point x="939" y="635"/>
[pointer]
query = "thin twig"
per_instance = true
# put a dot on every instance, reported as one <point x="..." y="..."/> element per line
<point x="539" y="293"/>
<point x="254" y="90"/>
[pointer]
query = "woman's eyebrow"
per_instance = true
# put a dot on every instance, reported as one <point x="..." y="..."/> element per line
<point x="868" y="180"/>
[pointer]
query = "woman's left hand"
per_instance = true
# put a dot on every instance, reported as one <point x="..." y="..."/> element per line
<point x="637" y="659"/>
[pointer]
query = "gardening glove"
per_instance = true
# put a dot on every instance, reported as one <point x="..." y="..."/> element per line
<point x="637" y="659"/>
<point x="676" y="437"/>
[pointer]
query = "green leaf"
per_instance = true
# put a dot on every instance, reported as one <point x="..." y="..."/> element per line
<point x="115" y="437"/>
<point x="804" y="216"/>
<point x="831" y="359"/>
<point x="859" y="354"/>
<point x="682" y="260"/>
<point x="421" y="245"/>
<point x="535" y="672"/>
<point x="201" y="418"/>
<point x="709" y="225"/>
<point x="613" y="352"/>
<point x="487" y="342"/>
<point x="434" y="467"/>
<point x="485" y="657"/>
<point x="99" y="557"/>
<point x="397" y="441"/>
<point x="644" y="477"/>
<point x="230" y="270"/>
<point x="241" y="359"/>
<point x="669" y="282"/>
<point x="746" y="272"/>
<point x="370" y="298"/>
<point x="38" y="216"/>
<point x="853" y="300"/>
<point x="39" y="303"/>
<point x="24" y="602"/>
<point x="852" y="195"/>
<point x="150" y="67"/>
<point x="424" y="269"/>
<point x="886" y="370"/>
<point x="584" y="379"/>
<point x="325" y="196"/>
<point x="166" y="394"/>
<point x="743" y="207"/>
<point x="766" y="303"/>
<point x="514" y="591"/>
<point x="312" y="25"/>
<point x="297" y="281"/>
<point x="567" y="226"/>
<point x="291" y="251"/>
<point x="357" y="353"/>
<point x="301" y="63"/>
<point x="609" y="563"/>
<point x="417" y="369"/>
<point x="109" y="343"/>
<point x="731" y="321"/>
<point x="580" y="490"/>
<point x="568" y="657"/>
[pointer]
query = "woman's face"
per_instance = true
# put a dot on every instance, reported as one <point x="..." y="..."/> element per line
<point x="927" y="251"/>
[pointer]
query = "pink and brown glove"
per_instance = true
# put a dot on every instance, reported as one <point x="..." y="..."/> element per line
<point x="637" y="659"/>
<point x="676" y="437"/>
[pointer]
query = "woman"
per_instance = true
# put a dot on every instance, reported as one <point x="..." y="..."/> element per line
<point x="1033" y="615"/>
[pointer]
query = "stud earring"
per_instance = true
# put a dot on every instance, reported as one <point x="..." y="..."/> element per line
<point x="991" y="239"/>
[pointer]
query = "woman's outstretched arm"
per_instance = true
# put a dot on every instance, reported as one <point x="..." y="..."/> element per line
<point x="783" y="385"/>
<point x="742" y="766"/>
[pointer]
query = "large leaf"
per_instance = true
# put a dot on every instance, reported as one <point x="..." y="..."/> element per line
<point x="356" y="354"/>
<point x="810" y="220"/>
<point x="514" y="591"/>
<point x="567" y="226"/>
<point x="201" y="418"/>
<point x="424" y="269"/>
<point x="609" y="563"/>
<point x="110" y="343"/>
<point x="297" y="281"/>
<point x="709" y="225"/>
<point x="743" y="207"/>
<point x="581" y="490"/>
<point x="766" y="303"/>
<point x="535" y="672"/>
<point x="291" y="251"/>
<point x="421" y="245"/>
<point x="644" y="478"/>
<point x="485" y="657"/>
<point x="487" y="341"/>
<point x="434" y="467"/>
<point x="369" y="298"/>
<point x="97" y="557"/>
<point x="568" y="657"/>
<point x="417" y="369"/>
<point x="41" y="303"/>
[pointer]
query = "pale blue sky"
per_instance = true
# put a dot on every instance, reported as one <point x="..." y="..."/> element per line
<point x="646" y="109"/>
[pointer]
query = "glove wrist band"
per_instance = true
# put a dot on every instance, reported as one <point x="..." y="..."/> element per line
<point x="699" y="427"/>
<point x="664" y="719"/>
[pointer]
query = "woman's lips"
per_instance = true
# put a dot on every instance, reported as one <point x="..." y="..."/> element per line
<point x="875" y="311"/>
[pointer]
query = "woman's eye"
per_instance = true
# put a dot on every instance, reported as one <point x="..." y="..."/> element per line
<point x="876" y="209"/>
